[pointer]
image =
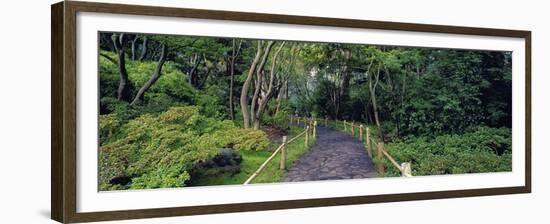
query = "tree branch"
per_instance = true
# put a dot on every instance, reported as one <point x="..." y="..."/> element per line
<point x="108" y="58"/>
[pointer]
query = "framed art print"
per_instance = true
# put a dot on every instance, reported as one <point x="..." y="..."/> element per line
<point x="165" y="111"/>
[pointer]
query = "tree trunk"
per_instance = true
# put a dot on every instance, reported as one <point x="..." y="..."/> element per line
<point x="118" y="43"/>
<point x="246" y="87"/>
<point x="134" y="47"/>
<point x="269" y="93"/>
<point x="143" y="49"/>
<point x="201" y="82"/>
<point x="108" y="58"/>
<point x="372" y="90"/>
<point x="195" y="61"/>
<point x="259" y="81"/>
<point x="283" y="94"/>
<point x="231" y="83"/>
<point x="257" y="88"/>
<point x="231" y="80"/>
<point x="375" y="109"/>
<point x="154" y="78"/>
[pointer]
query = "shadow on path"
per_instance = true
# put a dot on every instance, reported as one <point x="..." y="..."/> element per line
<point x="334" y="156"/>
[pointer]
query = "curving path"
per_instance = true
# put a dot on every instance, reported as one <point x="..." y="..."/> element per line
<point x="334" y="156"/>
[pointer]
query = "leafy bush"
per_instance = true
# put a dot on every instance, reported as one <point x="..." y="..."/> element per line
<point x="122" y="109"/>
<point x="209" y="101"/>
<point x="249" y="139"/>
<point x="479" y="150"/>
<point x="108" y="125"/>
<point x="278" y="118"/>
<point x="159" y="151"/>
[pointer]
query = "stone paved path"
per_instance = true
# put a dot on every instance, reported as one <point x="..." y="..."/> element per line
<point x="334" y="156"/>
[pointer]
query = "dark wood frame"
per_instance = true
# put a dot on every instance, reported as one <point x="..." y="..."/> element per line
<point x="63" y="107"/>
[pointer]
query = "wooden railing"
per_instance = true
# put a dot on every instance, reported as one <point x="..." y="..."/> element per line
<point x="309" y="131"/>
<point x="364" y="130"/>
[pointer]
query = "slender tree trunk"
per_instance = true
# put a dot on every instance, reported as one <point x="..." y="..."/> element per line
<point x="369" y="116"/>
<point x="246" y="87"/>
<point x="259" y="81"/>
<point x="195" y="61"/>
<point x="109" y="58"/>
<point x="375" y="108"/>
<point x="337" y="108"/>
<point x="231" y="80"/>
<point x="257" y="88"/>
<point x="156" y="75"/>
<point x="143" y="49"/>
<point x="269" y="93"/>
<point x="200" y="84"/>
<point x="118" y="43"/>
<point x="372" y="90"/>
<point x="282" y="95"/>
<point x="134" y="47"/>
<point x="231" y="83"/>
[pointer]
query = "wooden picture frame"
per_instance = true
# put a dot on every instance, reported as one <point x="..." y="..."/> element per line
<point x="64" y="119"/>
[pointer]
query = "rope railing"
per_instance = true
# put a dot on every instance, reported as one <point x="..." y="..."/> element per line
<point x="283" y="150"/>
<point x="404" y="168"/>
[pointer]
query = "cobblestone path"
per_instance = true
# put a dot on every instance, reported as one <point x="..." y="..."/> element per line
<point x="334" y="156"/>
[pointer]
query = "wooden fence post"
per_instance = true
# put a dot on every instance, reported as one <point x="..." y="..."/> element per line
<point x="369" y="144"/>
<point x="283" y="155"/>
<point x="307" y="136"/>
<point x="380" y="158"/>
<point x="361" y="133"/>
<point x="326" y="122"/>
<point x="315" y="129"/>
<point x="406" y="169"/>
<point x="345" y="129"/>
<point x="352" y="130"/>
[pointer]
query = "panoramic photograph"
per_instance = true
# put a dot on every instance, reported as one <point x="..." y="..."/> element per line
<point x="187" y="111"/>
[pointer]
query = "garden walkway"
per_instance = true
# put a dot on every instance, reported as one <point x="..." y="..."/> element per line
<point x="334" y="156"/>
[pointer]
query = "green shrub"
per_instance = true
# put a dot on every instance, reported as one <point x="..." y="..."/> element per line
<point x="108" y="125"/>
<point x="159" y="151"/>
<point x="249" y="140"/>
<point x="479" y="150"/>
<point x="158" y="102"/>
<point x="209" y="101"/>
<point x="122" y="109"/>
<point x="278" y="118"/>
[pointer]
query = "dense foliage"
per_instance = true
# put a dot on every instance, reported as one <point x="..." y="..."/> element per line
<point x="478" y="150"/>
<point x="412" y="91"/>
<point x="159" y="151"/>
<point x="179" y="110"/>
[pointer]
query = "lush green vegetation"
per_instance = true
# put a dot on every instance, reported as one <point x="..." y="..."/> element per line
<point x="165" y="123"/>
<point x="186" y="111"/>
<point x="253" y="160"/>
<point x="478" y="150"/>
<point x="427" y="105"/>
<point x="161" y="151"/>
